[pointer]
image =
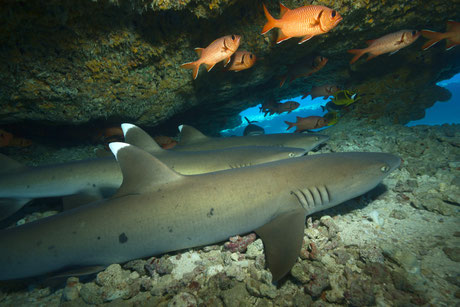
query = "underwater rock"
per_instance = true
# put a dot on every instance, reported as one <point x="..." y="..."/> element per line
<point x="453" y="253"/>
<point x="112" y="60"/>
<point x="72" y="289"/>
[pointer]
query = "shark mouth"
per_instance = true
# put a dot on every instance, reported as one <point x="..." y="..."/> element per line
<point x="313" y="197"/>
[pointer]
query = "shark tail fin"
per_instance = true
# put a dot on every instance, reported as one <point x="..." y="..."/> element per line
<point x="139" y="138"/>
<point x="9" y="206"/>
<point x="189" y="134"/>
<point x="141" y="171"/>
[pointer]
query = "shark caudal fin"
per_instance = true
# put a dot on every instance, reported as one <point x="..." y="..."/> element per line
<point x="141" y="171"/>
<point x="283" y="237"/>
<point x="9" y="206"/>
<point x="139" y="138"/>
<point x="189" y="135"/>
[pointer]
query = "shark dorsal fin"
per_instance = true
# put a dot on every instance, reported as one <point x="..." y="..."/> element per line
<point x="140" y="169"/>
<point x="188" y="135"/>
<point x="283" y="237"/>
<point x="139" y="138"/>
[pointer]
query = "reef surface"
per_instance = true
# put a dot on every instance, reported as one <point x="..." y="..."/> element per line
<point x="397" y="245"/>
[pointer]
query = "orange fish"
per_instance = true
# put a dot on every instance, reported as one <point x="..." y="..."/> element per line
<point x="303" y="68"/>
<point x="307" y="123"/>
<point x="388" y="43"/>
<point x="452" y="36"/>
<point x="306" y="22"/>
<point x="219" y="50"/>
<point x="242" y="60"/>
<point x="165" y="142"/>
<point x="9" y="140"/>
<point x="321" y="91"/>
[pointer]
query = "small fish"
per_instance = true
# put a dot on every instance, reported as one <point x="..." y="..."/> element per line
<point x="307" y="123"/>
<point x="287" y="106"/>
<point x="242" y="60"/>
<point x="388" y="43"/>
<point x="306" y="22"/>
<point x="267" y="107"/>
<point x="304" y="68"/>
<point x="219" y="50"/>
<point x="9" y="140"/>
<point x="452" y="36"/>
<point x="332" y="118"/>
<point x="345" y="98"/>
<point x="165" y="142"/>
<point x="321" y="91"/>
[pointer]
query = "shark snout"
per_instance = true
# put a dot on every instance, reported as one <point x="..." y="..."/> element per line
<point x="393" y="161"/>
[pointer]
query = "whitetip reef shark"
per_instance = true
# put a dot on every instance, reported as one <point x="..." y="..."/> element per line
<point x="156" y="210"/>
<point x="192" y="139"/>
<point x="89" y="180"/>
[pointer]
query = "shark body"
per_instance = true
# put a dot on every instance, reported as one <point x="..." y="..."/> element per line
<point x="156" y="210"/>
<point x="191" y="139"/>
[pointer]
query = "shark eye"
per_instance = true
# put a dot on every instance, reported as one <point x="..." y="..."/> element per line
<point x="316" y="138"/>
<point x="385" y="168"/>
<point x="291" y="155"/>
<point x="333" y="13"/>
<point x="233" y="37"/>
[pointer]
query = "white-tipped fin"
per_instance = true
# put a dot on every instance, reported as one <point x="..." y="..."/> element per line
<point x="139" y="138"/>
<point x="180" y="128"/>
<point x="125" y="127"/>
<point x="116" y="146"/>
<point x="189" y="134"/>
<point x="141" y="171"/>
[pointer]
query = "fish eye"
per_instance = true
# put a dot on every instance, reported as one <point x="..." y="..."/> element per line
<point x="233" y="37"/>
<point x="291" y="155"/>
<point x="250" y="56"/>
<point x="333" y="13"/>
<point x="385" y="168"/>
<point x="414" y="32"/>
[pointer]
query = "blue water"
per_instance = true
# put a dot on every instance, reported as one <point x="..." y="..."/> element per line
<point x="275" y="123"/>
<point x="447" y="112"/>
<point x="440" y="113"/>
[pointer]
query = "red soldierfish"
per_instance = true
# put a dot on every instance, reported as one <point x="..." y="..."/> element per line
<point x="321" y="91"/>
<point x="306" y="22"/>
<point x="307" y="123"/>
<point x="388" y="43"/>
<point x="303" y="68"/>
<point x="242" y="60"/>
<point x="452" y="36"/>
<point x="219" y="50"/>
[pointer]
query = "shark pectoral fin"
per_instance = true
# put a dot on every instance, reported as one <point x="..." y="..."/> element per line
<point x="9" y="206"/>
<point x="7" y="164"/>
<point x="139" y="138"/>
<point x="283" y="237"/>
<point x="188" y="134"/>
<point x="140" y="169"/>
<point x="77" y="200"/>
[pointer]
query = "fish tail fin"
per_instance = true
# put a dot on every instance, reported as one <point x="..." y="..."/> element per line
<point x="305" y="95"/>
<point x="290" y="125"/>
<point x="283" y="80"/>
<point x="358" y="53"/>
<point x="433" y="38"/>
<point x="192" y="65"/>
<point x="271" y="22"/>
